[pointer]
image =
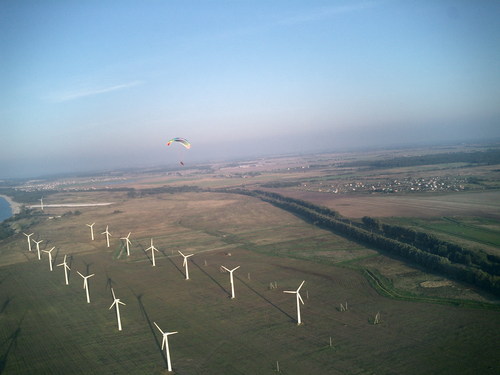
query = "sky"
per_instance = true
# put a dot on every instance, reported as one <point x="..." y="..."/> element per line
<point x="92" y="85"/>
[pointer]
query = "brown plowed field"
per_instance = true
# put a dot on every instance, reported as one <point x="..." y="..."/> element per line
<point x="484" y="204"/>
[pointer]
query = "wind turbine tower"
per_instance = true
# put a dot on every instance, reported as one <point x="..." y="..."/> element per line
<point x="29" y="241"/>
<point x="185" y="263"/>
<point x="91" y="226"/>
<point x="164" y="344"/>
<point x="106" y="232"/>
<point x="231" y="278"/>
<point x="66" y="269"/>
<point x="50" y="256"/>
<point x="127" y="242"/>
<point x="38" y="247"/>
<point x="41" y="203"/>
<point x="299" y="299"/>
<point x="117" y="303"/>
<point x="153" y="249"/>
<point x="86" y="285"/>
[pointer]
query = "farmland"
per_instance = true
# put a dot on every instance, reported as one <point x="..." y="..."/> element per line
<point x="429" y="324"/>
<point x="48" y="327"/>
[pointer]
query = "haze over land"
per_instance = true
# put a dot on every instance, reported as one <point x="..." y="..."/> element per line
<point x="88" y="86"/>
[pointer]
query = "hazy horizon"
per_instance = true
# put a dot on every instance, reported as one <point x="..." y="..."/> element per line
<point x="92" y="86"/>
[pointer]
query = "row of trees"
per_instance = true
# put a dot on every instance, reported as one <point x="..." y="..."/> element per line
<point x="430" y="243"/>
<point x="327" y="218"/>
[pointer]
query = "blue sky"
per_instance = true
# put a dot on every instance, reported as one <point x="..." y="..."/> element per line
<point x="88" y="85"/>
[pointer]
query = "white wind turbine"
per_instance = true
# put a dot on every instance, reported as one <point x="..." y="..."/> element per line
<point x="41" y="203"/>
<point x="117" y="303"/>
<point x="231" y="278"/>
<point x="185" y="263"/>
<point x="66" y="269"/>
<point x="29" y="241"/>
<point x="86" y="285"/>
<point x="91" y="226"/>
<point x="127" y="242"/>
<point x="106" y="232"/>
<point x="164" y="344"/>
<point x="299" y="299"/>
<point x="50" y="256"/>
<point x="153" y="249"/>
<point x="38" y="247"/>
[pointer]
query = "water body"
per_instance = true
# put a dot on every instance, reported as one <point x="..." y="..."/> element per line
<point x="5" y="209"/>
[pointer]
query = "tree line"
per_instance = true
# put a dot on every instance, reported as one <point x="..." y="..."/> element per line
<point x="474" y="267"/>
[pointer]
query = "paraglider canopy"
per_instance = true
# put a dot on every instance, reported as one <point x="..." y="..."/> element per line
<point x="182" y="141"/>
<point x="180" y="150"/>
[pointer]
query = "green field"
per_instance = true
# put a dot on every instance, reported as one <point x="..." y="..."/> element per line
<point x="473" y="231"/>
<point x="48" y="328"/>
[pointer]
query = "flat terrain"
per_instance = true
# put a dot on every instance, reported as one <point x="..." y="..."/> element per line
<point x="482" y="203"/>
<point x="48" y="327"/>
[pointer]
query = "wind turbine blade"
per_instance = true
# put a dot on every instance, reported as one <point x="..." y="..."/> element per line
<point x="158" y="328"/>
<point x="300" y="298"/>
<point x="290" y="291"/>
<point x="123" y="303"/>
<point x="226" y="269"/>
<point x="180" y="253"/>
<point x="184" y="262"/>
<point x="110" y="307"/>
<point x="113" y="293"/>
<point x="80" y="274"/>
<point x="301" y="285"/>
<point x="171" y="333"/>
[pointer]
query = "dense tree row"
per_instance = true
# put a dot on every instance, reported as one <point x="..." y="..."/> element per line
<point x="430" y="243"/>
<point x="330" y="219"/>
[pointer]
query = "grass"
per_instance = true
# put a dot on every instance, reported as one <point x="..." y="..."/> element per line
<point x="47" y="327"/>
<point x="477" y="231"/>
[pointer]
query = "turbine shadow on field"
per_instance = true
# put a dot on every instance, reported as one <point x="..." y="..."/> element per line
<point x="146" y="254"/>
<point x="11" y="341"/>
<point x="70" y="264"/>
<point x="150" y="325"/>
<point x="87" y="267"/>
<point x="109" y="282"/>
<point x="5" y="304"/>
<point x="265" y="299"/>
<point x="211" y="278"/>
<point x="54" y="258"/>
<point x="175" y="265"/>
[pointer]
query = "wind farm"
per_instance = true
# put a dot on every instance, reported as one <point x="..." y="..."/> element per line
<point x="228" y="323"/>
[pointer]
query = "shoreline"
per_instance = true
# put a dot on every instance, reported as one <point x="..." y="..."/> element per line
<point x="14" y="206"/>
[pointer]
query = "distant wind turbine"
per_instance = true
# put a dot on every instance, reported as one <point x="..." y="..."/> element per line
<point x="66" y="269"/>
<point x="231" y="279"/>
<point x="164" y="344"/>
<point x="116" y="303"/>
<point x="50" y="256"/>
<point x="91" y="230"/>
<point x="106" y="232"/>
<point x="153" y="249"/>
<point x="29" y="241"/>
<point x="86" y="285"/>
<point x="299" y="299"/>
<point x="127" y="242"/>
<point x="38" y="247"/>
<point x="41" y="203"/>
<point x="185" y="263"/>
